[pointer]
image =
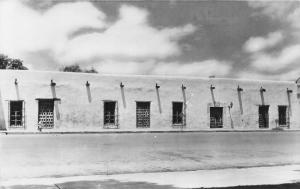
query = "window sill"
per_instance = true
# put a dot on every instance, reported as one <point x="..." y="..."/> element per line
<point x="283" y="125"/>
<point x="110" y="127"/>
<point x="16" y="127"/>
<point x="178" y="125"/>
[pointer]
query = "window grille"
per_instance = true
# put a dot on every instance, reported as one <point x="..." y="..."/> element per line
<point x="46" y="113"/>
<point x="111" y="114"/>
<point x="263" y="117"/>
<point x="16" y="117"/>
<point x="143" y="114"/>
<point x="216" y="117"/>
<point x="178" y="115"/>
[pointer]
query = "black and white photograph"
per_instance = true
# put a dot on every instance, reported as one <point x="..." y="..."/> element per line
<point x="149" y="94"/>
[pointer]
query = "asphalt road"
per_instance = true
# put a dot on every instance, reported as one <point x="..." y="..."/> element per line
<point x="29" y="156"/>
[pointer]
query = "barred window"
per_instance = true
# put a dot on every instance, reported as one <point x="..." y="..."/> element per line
<point x="46" y="113"/>
<point x="110" y="114"/>
<point x="16" y="113"/>
<point x="216" y="117"/>
<point x="263" y="116"/>
<point x="143" y="114"/>
<point x="177" y="115"/>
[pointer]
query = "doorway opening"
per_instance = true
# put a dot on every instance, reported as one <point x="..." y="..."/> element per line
<point x="263" y="119"/>
<point x="216" y="117"/>
<point x="177" y="113"/>
<point x="110" y="114"/>
<point x="283" y="115"/>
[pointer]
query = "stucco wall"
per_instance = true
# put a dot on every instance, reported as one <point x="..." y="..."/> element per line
<point x="76" y="112"/>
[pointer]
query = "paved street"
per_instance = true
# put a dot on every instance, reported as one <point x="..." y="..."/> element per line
<point x="29" y="156"/>
<point x="255" y="176"/>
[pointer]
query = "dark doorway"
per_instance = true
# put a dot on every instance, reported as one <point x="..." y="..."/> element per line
<point x="16" y="114"/>
<point x="46" y="113"/>
<point x="143" y="114"/>
<point x="263" y="119"/>
<point x="282" y="116"/>
<point x="216" y="117"/>
<point x="110" y="117"/>
<point x="177" y="113"/>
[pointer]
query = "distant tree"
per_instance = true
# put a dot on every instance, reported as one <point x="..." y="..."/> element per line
<point x="10" y="63"/>
<point x="71" y="68"/>
<point x="4" y="61"/>
<point x="76" y="68"/>
<point x="92" y="70"/>
<point x="16" y="64"/>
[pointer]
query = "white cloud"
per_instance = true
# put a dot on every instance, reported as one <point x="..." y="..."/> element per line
<point x="275" y="9"/>
<point x="255" y="44"/>
<point x="131" y="37"/>
<point x="202" y="69"/>
<point x="284" y="62"/>
<point x="269" y="62"/>
<point x="130" y="45"/>
<point x="24" y="30"/>
<point x="291" y="75"/>
<point x="124" y="67"/>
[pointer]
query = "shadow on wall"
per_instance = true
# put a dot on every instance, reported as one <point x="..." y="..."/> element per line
<point x="158" y="98"/>
<point x="212" y="94"/>
<point x="262" y="90"/>
<point x="289" y="101"/>
<point x="239" y="91"/>
<point x="17" y="89"/>
<point x="88" y="91"/>
<point x="2" y="120"/>
<point x="123" y="94"/>
<point x="55" y="102"/>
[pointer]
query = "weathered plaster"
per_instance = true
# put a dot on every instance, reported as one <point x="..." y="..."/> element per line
<point x="81" y="107"/>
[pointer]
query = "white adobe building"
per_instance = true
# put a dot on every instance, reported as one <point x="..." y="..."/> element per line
<point x="80" y="102"/>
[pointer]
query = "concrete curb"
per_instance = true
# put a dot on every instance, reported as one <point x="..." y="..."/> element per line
<point x="129" y="132"/>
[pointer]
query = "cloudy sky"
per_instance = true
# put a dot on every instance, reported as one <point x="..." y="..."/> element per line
<point x="238" y="39"/>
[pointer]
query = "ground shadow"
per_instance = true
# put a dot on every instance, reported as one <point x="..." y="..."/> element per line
<point x="112" y="184"/>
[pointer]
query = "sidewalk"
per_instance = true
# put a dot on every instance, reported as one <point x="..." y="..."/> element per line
<point x="188" y="179"/>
